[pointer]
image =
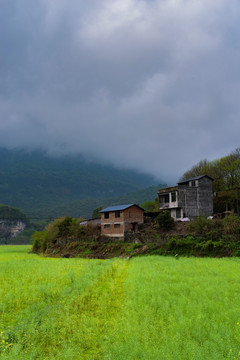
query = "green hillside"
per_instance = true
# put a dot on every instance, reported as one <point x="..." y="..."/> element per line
<point x="84" y="207"/>
<point x="9" y="213"/>
<point x="38" y="182"/>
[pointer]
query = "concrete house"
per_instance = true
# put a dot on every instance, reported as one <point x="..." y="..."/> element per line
<point x="189" y="198"/>
<point x="120" y="219"/>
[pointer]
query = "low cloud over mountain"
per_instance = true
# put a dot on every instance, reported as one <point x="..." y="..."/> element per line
<point x="152" y="85"/>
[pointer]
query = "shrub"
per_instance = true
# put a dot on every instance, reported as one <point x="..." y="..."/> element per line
<point x="58" y="228"/>
<point x="38" y="240"/>
<point x="165" y="221"/>
<point x="78" y="231"/>
<point x="52" y="230"/>
<point x="231" y="224"/>
<point x="200" y="225"/>
<point x="64" y="227"/>
<point x="62" y="230"/>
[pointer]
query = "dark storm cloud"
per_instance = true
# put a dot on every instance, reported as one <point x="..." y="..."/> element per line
<point x="147" y="84"/>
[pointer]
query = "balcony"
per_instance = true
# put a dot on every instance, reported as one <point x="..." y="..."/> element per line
<point x="168" y="200"/>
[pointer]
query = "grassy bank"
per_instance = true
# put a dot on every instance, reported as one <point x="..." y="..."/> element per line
<point x="144" y="308"/>
<point x="200" y="237"/>
<point x="199" y="246"/>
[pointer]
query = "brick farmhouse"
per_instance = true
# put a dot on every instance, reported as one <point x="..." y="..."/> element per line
<point x="121" y="219"/>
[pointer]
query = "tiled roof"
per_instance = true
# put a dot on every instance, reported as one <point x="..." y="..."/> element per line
<point x="118" y="208"/>
<point x="194" y="178"/>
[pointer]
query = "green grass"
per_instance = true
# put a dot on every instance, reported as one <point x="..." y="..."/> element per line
<point x="144" y="308"/>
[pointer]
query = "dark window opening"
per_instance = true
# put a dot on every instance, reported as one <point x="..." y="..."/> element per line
<point x="106" y="215"/>
<point x="166" y="198"/>
<point x="178" y="213"/>
<point x="106" y="226"/>
<point x="116" y="226"/>
<point x="173" y="196"/>
<point x="134" y="227"/>
<point x="117" y="214"/>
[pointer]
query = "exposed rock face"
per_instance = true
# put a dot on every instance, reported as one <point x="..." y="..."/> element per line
<point x="11" y="228"/>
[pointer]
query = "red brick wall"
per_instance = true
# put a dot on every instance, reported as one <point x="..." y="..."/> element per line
<point x="111" y="230"/>
<point x="133" y="214"/>
<point x="127" y="217"/>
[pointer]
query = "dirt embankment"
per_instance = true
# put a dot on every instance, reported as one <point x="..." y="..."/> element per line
<point x="149" y="241"/>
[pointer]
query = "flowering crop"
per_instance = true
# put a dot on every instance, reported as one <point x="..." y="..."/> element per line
<point x="144" y="308"/>
<point x="4" y="343"/>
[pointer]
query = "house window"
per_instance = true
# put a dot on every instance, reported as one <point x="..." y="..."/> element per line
<point x="178" y="213"/>
<point x="106" y="226"/>
<point x="116" y="226"/>
<point x="106" y="215"/>
<point x="193" y="183"/>
<point x="117" y="214"/>
<point x="166" y="198"/>
<point x="173" y="196"/>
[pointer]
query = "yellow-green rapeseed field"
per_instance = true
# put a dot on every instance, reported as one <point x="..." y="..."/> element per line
<point x="151" y="308"/>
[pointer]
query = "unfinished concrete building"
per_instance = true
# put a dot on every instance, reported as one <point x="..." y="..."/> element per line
<point x="189" y="198"/>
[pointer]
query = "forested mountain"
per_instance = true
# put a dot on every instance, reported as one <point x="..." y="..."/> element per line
<point x="36" y="181"/>
<point x="84" y="208"/>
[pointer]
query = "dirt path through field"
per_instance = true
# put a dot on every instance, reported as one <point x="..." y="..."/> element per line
<point x="99" y="308"/>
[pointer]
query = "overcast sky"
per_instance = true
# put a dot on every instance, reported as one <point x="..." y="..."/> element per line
<point x="147" y="84"/>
